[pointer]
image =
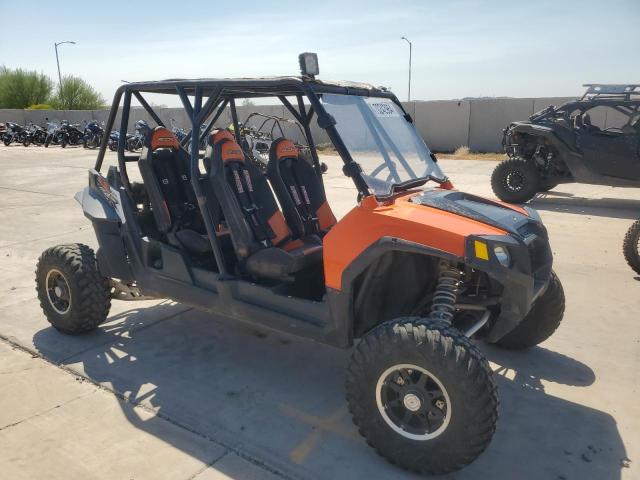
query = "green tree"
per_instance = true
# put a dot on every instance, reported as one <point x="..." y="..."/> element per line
<point x="21" y="88"/>
<point x="76" y="94"/>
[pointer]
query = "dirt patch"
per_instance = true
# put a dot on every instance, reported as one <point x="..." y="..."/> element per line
<point x="463" y="153"/>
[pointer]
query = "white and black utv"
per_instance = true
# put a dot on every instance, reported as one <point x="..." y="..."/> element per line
<point x="564" y="145"/>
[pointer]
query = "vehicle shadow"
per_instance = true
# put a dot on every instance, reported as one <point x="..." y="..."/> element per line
<point x="529" y="368"/>
<point x="600" y="207"/>
<point x="281" y="399"/>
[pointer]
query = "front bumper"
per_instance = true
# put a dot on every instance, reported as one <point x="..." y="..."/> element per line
<point x="523" y="281"/>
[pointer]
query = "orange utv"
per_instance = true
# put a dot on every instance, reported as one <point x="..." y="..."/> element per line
<point x="409" y="278"/>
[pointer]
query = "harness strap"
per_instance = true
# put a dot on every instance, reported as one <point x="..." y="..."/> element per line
<point x="244" y="187"/>
<point x="299" y="191"/>
<point x="181" y="207"/>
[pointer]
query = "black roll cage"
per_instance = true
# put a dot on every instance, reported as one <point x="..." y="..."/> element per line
<point x="624" y="98"/>
<point x="222" y="93"/>
<point x="625" y="91"/>
<point x="625" y="107"/>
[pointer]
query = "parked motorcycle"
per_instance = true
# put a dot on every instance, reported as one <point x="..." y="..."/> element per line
<point x="179" y="132"/>
<point x="92" y="136"/>
<point x="132" y="143"/>
<point x="34" y="134"/>
<point x="14" y="133"/>
<point x="135" y="141"/>
<point x="26" y="137"/>
<point x="114" y="138"/>
<point x="72" y="133"/>
<point x="202" y="145"/>
<point x="55" y="135"/>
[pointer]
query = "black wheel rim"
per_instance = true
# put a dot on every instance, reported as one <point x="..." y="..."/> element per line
<point x="514" y="181"/>
<point x="413" y="402"/>
<point x="58" y="291"/>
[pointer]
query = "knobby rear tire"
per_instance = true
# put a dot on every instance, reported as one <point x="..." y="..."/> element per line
<point x="631" y="247"/>
<point x="90" y="298"/>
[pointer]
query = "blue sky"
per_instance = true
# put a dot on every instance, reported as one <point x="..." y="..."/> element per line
<point x="460" y="48"/>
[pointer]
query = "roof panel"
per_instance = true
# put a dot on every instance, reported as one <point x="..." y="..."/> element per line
<point x="249" y="86"/>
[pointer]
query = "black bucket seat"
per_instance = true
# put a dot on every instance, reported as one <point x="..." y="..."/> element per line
<point x="260" y="235"/>
<point x="299" y="190"/>
<point x="164" y="167"/>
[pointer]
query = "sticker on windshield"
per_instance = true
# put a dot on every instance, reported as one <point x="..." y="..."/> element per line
<point x="383" y="109"/>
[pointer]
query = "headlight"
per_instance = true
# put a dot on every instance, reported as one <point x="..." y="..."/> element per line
<point x="502" y="255"/>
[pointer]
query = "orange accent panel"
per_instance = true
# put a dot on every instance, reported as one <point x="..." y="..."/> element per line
<point x="516" y="208"/>
<point x="286" y="149"/>
<point x="279" y="227"/>
<point x="401" y="219"/>
<point x="231" y="151"/>
<point x="370" y="202"/>
<point x="292" y="245"/>
<point x="163" y="138"/>
<point x="221" y="230"/>
<point x="167" y="212"/>
<point x="326" y="218"/>
<point x="219" y="135"/>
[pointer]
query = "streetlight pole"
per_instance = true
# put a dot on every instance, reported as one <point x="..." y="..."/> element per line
<point x="58" y="59"/>
<point x="409" y="91"/>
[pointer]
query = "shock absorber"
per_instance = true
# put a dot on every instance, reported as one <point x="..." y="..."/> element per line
<point x="446" y="292"/>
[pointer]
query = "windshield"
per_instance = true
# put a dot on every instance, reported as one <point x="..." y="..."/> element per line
<point x="381" y="140"/>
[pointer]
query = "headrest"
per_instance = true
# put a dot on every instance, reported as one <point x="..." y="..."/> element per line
<point x="286" y="149"/>
<point x="230" y="151"/>
<point x="219" y="135"/>
<point x="160" y="137"/>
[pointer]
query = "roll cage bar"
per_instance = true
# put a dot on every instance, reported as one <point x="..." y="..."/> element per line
<point x="277" y="123"/>
<point x="222" y="93"/>
<point x="613" y="91"/>
<point x="625" y="106"/>
<point x="624" y="98"/>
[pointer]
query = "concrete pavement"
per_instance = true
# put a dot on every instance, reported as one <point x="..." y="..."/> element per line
<point x="164" y="391"/>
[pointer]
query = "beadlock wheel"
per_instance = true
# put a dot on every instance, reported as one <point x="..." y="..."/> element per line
<point x="422" y="394"/>
<point x="413" y="402"/>
<point x="513" y="182"/>
<point x="58" y="291"/>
